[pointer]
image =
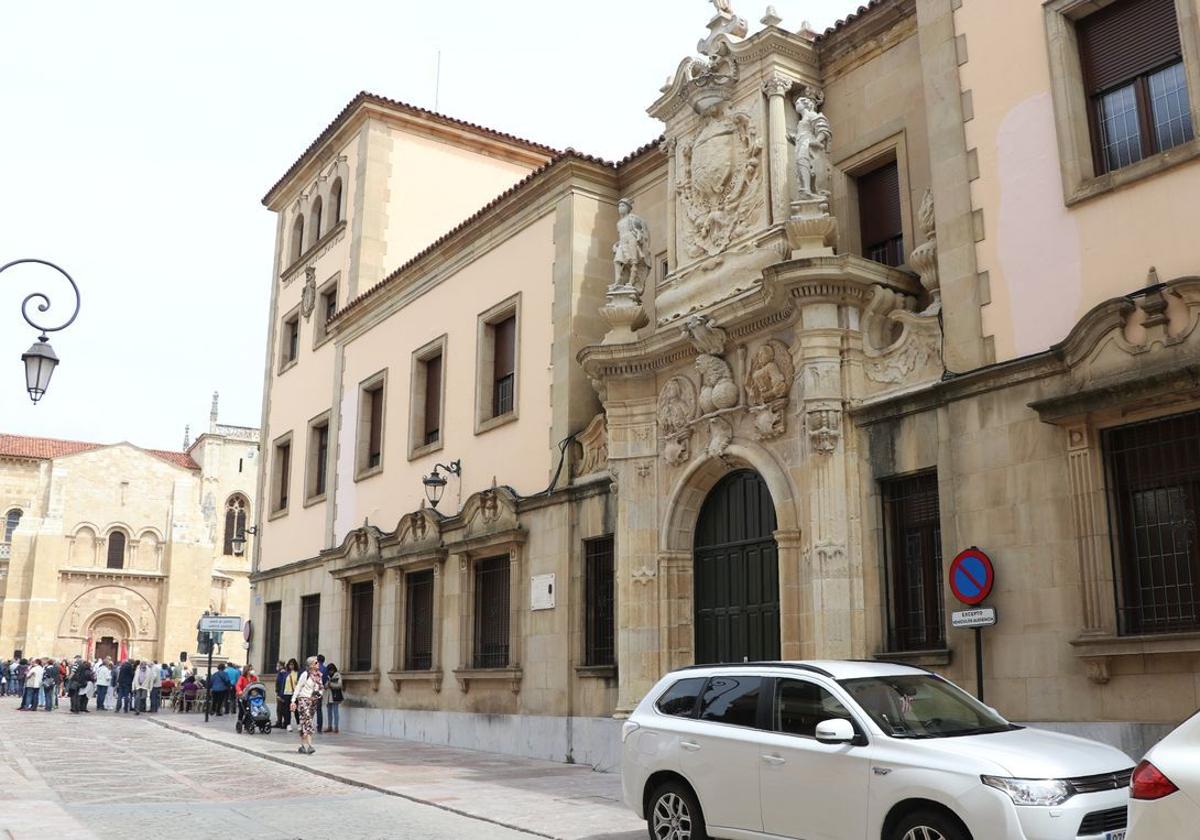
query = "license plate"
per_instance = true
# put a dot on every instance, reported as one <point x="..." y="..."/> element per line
<point x="1119" y="834"/>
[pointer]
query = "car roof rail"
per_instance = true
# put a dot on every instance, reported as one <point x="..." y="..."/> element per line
<point x="799" y="666"/>
<point x="893" y="662"/>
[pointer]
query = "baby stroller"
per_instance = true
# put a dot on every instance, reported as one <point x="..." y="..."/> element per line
<point x="253" y="711"/>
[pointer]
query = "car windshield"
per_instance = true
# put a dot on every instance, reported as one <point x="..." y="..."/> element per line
<point x="923" y="706"/>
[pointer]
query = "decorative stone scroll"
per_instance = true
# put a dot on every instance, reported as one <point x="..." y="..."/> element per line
<point x="594" y="444"/>
<point x="912" y="357"/>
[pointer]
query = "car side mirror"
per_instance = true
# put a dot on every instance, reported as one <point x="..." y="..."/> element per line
<point x="835" y="731"/>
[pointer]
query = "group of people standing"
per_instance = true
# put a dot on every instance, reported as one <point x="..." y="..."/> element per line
<point x="312" y="696"/>
<point x="139" y="684"/>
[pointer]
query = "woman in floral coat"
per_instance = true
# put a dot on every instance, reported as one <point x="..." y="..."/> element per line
<point x="304" y="703"/>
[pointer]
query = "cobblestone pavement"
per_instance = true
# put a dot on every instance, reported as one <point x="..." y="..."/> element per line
<point x="103" y="775"/>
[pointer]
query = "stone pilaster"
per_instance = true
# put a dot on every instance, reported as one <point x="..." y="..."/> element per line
<point x="1087" y="507"/>
<point x="668" y="148"/>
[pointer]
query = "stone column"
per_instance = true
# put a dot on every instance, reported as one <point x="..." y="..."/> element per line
<point x="668" y="149"/>
<point x="776" y="88"/>
<point x="1087" y="506"/>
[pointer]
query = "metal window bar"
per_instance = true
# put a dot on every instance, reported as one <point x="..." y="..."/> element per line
<point x="418" y="629"/>
<point x="599" y="626"/>
<point x="362" y="619"/>
<point x="502" y="402"/>
<point x="889" y="252"/>
<point x="492" y="613"/>
<point x="913" y="557"/>
<point x="1154" y="481"/>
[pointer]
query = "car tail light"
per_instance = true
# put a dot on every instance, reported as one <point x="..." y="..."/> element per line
<point x="1149" y="783"/>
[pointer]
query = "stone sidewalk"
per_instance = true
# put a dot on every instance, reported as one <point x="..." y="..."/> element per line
<point x="561" y="801"/>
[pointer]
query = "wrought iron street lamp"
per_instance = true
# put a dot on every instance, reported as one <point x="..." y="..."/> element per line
<point x="435" y="482"/>
<point x="40" y="359"/>
<point x="239" y="539"/>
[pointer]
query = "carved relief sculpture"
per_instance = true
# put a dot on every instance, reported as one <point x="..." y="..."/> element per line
<point x="74" y="619"/>
<point x="676" y="408"/>
<point x="144" y="621"/>
<point x="767" y="386"/>
<point x="489" y="505"/>
<point x="631" y="253"/>
<point x="720" y="435"/>
<point x="704" y="334"/>
<point x="914" y="356"/>
<point x="308" y="297"/>
<point x="924" y="257"/>
<point x="824" y="429"/>
<point x="717" y="388"/>
<point x="594" y="442"/>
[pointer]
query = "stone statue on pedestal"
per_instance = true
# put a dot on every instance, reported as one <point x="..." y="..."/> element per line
<point x="811" y="139"/>
<point x="631" y="253"/>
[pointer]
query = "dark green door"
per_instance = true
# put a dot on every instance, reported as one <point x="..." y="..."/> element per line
<point x="736" y="573"/>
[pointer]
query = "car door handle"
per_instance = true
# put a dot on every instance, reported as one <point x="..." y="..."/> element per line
<point x="881" y="771"/>
<point x="774" y="760"/>
<point x="691" y="746"/>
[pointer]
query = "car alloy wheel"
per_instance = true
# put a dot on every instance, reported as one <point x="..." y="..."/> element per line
<point x="671" y="819"/>
<point x="924" y="832"/>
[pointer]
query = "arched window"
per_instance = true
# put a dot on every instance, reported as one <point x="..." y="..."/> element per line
<point x="236" y="510"/>
<point x="314" y="219"/>
<point x="298" y="237"/>
<point x="335" y="201"/>
<point x="11" y="520"/>
<point x="116" y="550"/>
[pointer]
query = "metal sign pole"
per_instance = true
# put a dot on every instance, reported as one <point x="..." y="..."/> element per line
<point x="208" y="702"/>
<point x="979" y="663"/>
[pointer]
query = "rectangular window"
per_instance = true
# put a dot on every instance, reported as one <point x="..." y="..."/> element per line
<point x="291" y="340"/>
<point x="326" y="309"/>
<point x="879" y="215"/>
<point x="492" y="612"/>
<point x="281" y="474"/>
<point x="370" y="425"/>
<point x="1133" y="75"/>
<point x="504" y="365"/>
<point x="801" y="705"/>
<point x="427" y="398"/>
<point x="310" y="626"/>
<point x="1154" y="481"/>
<point x="433" y="399"/>
<point x="318" y="457"/>
<point x="418" y="628"/>
<point x="913" y="541"/>
<point x="732" y="700"/>
<point x="274" y="623"/>
<point x="362" y="625"/>
<point x="599" y="647"/>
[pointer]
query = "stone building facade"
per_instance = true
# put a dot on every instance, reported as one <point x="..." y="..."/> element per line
<point x="114" y="550"/>
<point x="877" y="295"/>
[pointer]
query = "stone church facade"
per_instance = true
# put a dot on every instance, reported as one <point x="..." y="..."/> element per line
<point x="875" y="297"/>
<point x="114" y="550"/>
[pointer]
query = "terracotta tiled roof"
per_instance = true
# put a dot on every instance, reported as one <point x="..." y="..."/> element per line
<point x="45" y="449"/>
<point x="568" y="154"/>
<point x="365" y="96"/>
<point x="849" y="19"/>
<point x="641" y="150"/>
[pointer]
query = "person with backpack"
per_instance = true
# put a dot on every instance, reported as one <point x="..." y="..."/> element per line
<point x="73" y="684"/>
<point x="51" y="680"/>
<point x="218" y="687"/>
<point x="334" y="683"/>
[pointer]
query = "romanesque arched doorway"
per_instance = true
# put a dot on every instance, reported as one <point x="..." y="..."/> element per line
<point x="736" y="572"/>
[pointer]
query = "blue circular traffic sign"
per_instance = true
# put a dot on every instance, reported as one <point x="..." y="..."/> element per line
<point x="972" y="576"/>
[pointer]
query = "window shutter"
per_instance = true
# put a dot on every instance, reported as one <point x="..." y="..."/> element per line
<point x="433" y="394"/>
<point x="1126" y="39"/>
<point x="879" y="205"/>
<point x="505" y="346"/>
<point x="375" y="441"/>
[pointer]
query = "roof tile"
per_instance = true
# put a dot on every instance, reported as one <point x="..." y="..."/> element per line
<point x="45" y="449"/>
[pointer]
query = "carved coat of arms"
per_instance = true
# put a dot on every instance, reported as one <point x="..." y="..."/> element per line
<point x="719" y="188"/>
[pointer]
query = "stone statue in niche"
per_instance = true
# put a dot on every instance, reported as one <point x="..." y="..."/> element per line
<point x="419" y="526"/>
<point x="717" y="388"/>
<point x="811" y="139"/>
<point x="631" y="253"/>
<point x="74" y="619"/>
<point x="308" y="296"/>
<point x="144" y="621"/>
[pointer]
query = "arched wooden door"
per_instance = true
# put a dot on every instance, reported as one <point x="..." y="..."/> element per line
<point x="736" y="572"/>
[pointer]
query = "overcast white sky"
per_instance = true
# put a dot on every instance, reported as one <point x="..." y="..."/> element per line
<point x="137" y="139"/>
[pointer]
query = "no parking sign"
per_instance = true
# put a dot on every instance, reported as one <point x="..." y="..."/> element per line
<point x="972" y="577"/>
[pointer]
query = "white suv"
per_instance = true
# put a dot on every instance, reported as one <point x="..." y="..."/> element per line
<point x="857" y="751"/>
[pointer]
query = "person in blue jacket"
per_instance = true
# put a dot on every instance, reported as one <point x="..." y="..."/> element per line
<point x="232" y="672"/>
<point x="218" y="688"/>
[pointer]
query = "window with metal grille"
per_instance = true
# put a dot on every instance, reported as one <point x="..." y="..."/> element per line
<point x="362" y="623"/>
<point x="491" y="613"/>
<point x="274" y="623"/>
<point x="879" y="215"/>
<point x="599" y="647"/>
<point x="310" y="626"/>
<point x="235" y="520"/>
<point x="116" y="550"/>
<point x="1133" y="72"/>
<point x="433" y="399"/>
<point x="418" y="626"/>
<point x="1154" y="491"/>
<point x="913" y="550"/>
<point x="504" y="349"/>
